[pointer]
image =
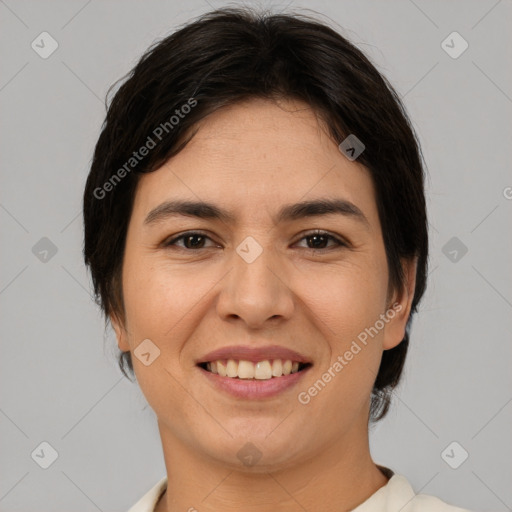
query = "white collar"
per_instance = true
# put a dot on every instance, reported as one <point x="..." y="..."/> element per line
<point x="396" y="495"/>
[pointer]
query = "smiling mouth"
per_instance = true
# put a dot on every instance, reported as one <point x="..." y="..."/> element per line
<point x="247" y="370"/>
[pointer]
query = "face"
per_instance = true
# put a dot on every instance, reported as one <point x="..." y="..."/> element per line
<point x="263" y="275"/>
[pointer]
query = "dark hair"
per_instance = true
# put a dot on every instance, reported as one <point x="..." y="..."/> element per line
<point x="234" y="54"/>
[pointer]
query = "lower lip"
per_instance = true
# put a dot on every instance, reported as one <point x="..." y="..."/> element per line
<point x="253" y="389"/>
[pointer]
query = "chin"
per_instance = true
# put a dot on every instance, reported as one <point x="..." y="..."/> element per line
<point x="258" y="449"/>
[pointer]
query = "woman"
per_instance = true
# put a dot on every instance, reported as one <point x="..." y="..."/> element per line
<point x="256" y="231"/>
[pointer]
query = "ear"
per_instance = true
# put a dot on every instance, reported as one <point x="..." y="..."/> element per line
<point x="121" y="335"/>
<point x="400" y="304"/>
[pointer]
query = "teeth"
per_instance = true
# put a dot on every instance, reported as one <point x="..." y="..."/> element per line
<point x="246" y="370"/>
<point x="262" y="370"/>
<point x="232" y="368"/>
<point x="277" y="368"/>
<point x="221" y="369"/>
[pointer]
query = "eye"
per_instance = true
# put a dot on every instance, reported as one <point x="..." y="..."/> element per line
<point x="191" y="240"/>
<point x="319" y="239"/>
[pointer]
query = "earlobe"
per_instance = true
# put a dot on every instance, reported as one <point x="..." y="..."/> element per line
<point x="120" y="331"/>
<point x="400" y="307"/>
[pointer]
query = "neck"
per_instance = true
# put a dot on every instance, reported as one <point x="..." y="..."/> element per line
<point x="340" y="477"/>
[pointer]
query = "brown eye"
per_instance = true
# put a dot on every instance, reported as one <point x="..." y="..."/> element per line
<point x="191" y="240"/>
<point x="318" y="240"/>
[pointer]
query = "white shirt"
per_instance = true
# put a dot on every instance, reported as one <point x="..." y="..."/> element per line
<point x="397" y="495"/>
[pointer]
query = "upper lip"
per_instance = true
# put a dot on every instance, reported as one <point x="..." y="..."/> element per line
<point x="241" y="352"/>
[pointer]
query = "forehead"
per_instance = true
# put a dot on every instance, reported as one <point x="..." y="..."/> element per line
<point x="252" y="157"/>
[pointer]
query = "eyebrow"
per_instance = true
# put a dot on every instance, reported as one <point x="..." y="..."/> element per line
<point x="289" y="212"/>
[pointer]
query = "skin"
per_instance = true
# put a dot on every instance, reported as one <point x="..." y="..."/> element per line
<point x="251" y="158"/>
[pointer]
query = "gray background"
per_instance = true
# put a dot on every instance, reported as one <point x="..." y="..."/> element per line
<point x="59" y="379"/>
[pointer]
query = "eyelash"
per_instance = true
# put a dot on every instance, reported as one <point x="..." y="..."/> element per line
<point x="339" y="242"/>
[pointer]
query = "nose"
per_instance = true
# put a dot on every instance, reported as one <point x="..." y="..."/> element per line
<point x="256" y="291"/>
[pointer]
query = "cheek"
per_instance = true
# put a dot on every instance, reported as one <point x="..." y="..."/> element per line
<point x="346" y="298"/>
<point x="344" y="305"/>
<point x="158" y="297"/>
